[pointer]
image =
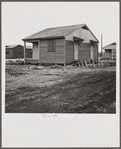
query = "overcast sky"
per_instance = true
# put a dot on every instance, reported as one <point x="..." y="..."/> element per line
<point x="21" y="19"/>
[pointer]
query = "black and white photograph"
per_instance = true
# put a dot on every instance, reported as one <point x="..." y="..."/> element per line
<point x="60" y="60"/>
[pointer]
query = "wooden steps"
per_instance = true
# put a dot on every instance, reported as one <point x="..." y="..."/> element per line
<point x="85" y="63"/>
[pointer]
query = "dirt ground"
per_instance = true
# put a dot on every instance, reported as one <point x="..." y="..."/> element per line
<point x="61" y="90"/>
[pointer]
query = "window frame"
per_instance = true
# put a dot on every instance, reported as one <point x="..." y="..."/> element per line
<point x="54" y="45"/>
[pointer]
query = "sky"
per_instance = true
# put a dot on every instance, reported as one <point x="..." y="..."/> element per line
<point x="21" y="19"/>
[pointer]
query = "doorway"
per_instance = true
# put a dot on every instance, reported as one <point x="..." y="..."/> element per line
<point x="91" y="52"/>
<point x="75" y="51"/>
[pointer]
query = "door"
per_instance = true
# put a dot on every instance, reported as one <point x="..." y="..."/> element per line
<point x="91" y="52"/>
<point x="108" y="53"/>
<point x="75" y="51"/>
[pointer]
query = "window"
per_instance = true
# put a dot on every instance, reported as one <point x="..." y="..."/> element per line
<point x="51" y="46"/>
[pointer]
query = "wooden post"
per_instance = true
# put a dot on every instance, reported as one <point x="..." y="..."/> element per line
<point x="86" y="63"/>
<point x="64" y="53"/>
<point x="112" y="54"/>
<point x="89" y="62"/>
<point x="24" y="51"/>
<point x="101" y="44"/>
<point x="93" y="62"/>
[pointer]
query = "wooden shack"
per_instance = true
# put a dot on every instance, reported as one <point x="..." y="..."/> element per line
<point x="14" y="51"/>
<point x="63" y="45"/>
<point x="109" y="51"/>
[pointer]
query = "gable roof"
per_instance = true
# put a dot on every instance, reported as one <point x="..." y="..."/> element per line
<point x="56" y="32"/>
<point x="12" y="46"/>
<point x="110" y="46"/>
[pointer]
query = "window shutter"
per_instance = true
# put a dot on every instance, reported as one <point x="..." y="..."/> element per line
<point x="51" y="45"/>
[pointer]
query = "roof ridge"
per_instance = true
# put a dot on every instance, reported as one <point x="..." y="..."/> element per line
<point x="13" y="45"/>
<point x="65" y="26"/>
<point x="110" y="44"/>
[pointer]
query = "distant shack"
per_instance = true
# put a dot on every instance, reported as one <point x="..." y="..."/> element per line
<point x="17" y="51"/>
<point x="14" y="51"/>
<point x="109" y="51"/>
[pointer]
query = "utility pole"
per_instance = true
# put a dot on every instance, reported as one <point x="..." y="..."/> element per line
<point x="101" y="44"/>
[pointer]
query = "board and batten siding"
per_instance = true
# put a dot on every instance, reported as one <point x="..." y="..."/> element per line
<point x="52" y="57"/>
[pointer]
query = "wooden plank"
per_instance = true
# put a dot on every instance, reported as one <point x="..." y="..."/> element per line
<point x="52" y="57"/>
<point x="84" y="51"/>
<point x="44" y="43"/>
<point x="76" y="33"/>
<point x="60" y="42"/>
<point x="58" y="50"/>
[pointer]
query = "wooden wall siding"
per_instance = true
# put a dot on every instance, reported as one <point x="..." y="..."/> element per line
<point x="18" y="52"/>
<point x="10" y="54"/>
<point x="44" y="43"/>
<point x="91" y="37"/>
<point x="87" y="36"/>
<point x="107" y="54"/>
<point x="96" y="52"/>
<point x="81" y="33"/>
<point x="69" y="52"/>
<point x="76" y="33"/>
<point x="35" y="50"/>
<point x="52" y="57"/>
<point x="84" y="51"/>
<point x="114" y="54"/>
